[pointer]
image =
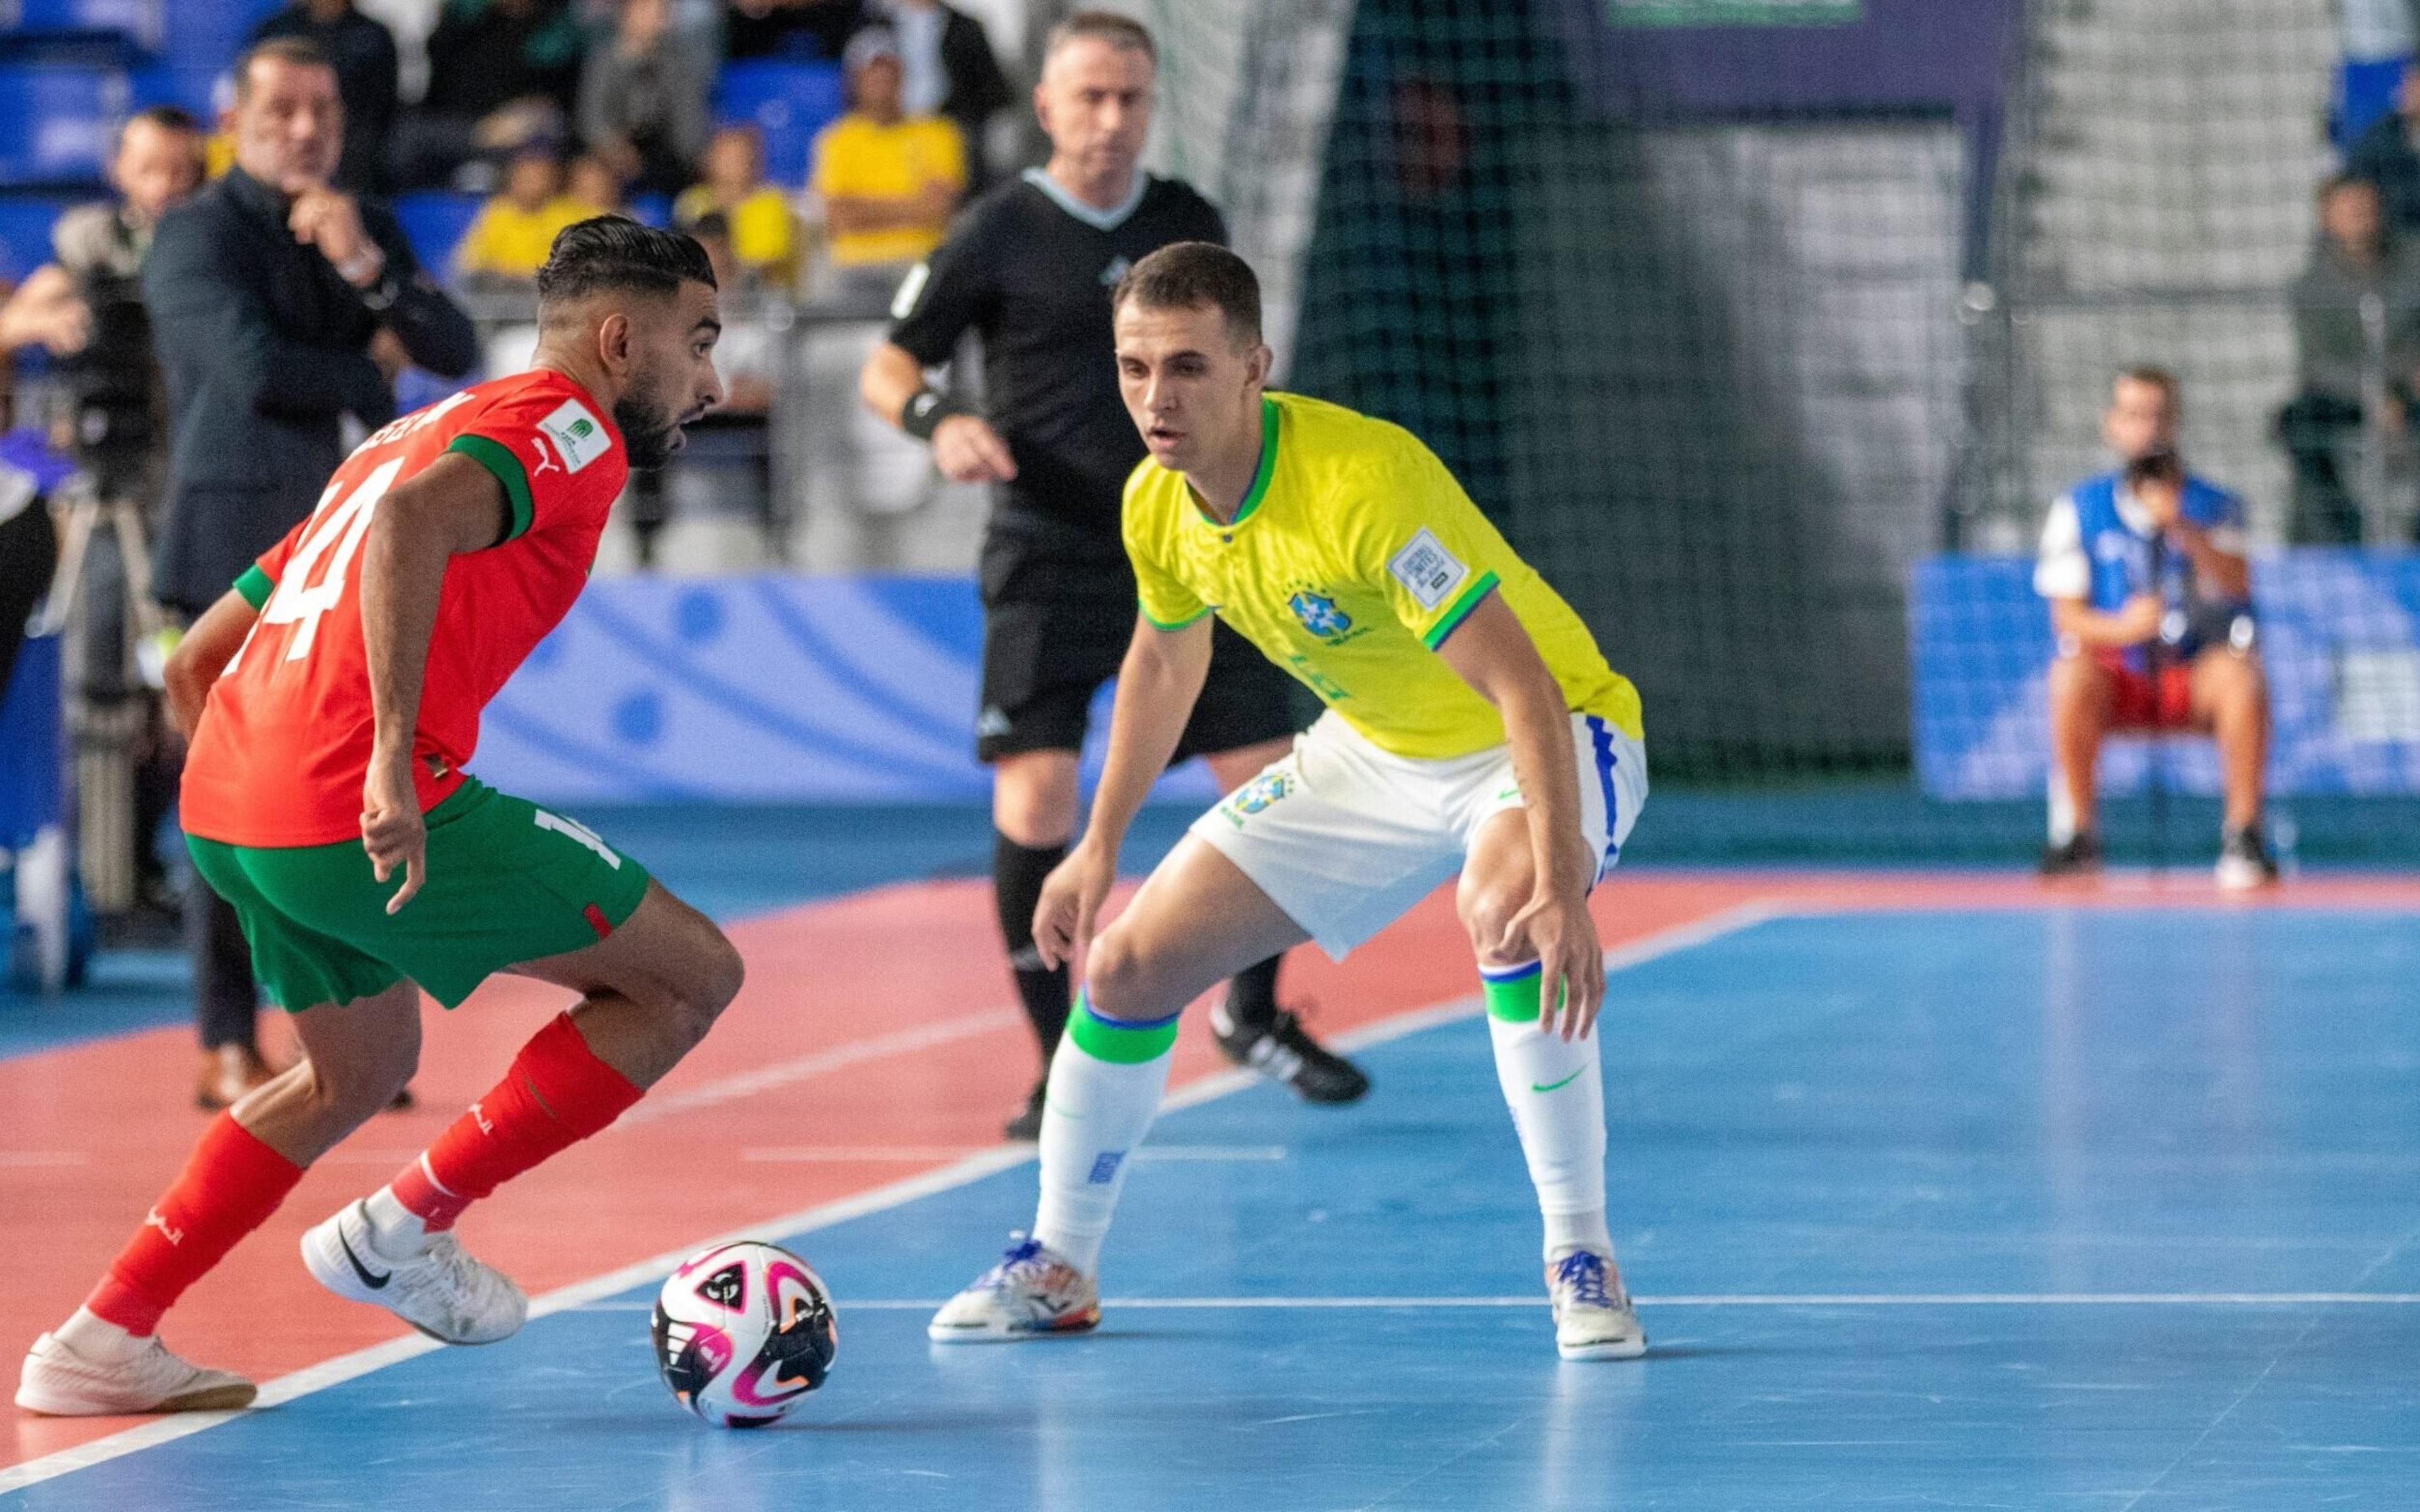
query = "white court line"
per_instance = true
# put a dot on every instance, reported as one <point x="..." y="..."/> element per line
<point x="1943" y="1299"/>
<point x="863" y="1154"/>
<point x="895" y="1194"/>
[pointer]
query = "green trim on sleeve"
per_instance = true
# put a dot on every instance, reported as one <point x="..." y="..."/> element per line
<point x="499" y="460"/>
<point x="1460" y="610"/>
<point x="256" y="586"/>
<point x="1158" y="623"/>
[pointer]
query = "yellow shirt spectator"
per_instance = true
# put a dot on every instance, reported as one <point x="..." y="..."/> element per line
<point x="764" y="234"/>
<point x="507" y="241"/>
<point x="858" y="158"/>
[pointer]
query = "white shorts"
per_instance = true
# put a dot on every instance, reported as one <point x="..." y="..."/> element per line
<point x="1345" y="838"/>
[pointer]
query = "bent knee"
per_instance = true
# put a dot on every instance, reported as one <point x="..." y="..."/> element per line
<point x="1487" y="913"/>
<point x="1123" y="976"/>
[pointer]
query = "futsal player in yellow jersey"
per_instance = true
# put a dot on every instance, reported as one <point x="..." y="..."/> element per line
<point x="1472" y="728"/>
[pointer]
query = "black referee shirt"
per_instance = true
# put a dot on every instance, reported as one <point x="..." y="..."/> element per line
<point x="1030" y="268"/>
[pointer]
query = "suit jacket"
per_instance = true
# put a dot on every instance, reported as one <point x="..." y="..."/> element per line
<point x="264" y="347"/>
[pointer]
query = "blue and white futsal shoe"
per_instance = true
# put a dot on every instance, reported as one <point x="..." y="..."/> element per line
<point x="1033" y="1292"/>
<point x="1593" y="1319"/>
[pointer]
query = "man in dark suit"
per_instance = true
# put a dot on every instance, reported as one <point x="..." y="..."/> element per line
<point x="362" y="51"/>
<point x="279" y="305"/>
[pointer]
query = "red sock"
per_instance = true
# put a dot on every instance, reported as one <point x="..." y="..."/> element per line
<point x="556" y="1094"/>
<point x="229" y="1187"/>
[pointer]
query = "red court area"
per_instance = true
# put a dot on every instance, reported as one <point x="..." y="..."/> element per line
<point x="876" y="1039"/>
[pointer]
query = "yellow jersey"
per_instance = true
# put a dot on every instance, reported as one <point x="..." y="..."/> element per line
<point x="764" y="234"/>
<point x="859" y="158"/>
<point x="512" y="243"/>
<point x="1351" y="560"/>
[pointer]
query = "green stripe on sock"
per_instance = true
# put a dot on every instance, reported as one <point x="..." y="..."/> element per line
<point x="1116" y="1043"/>
<point x="1514" y="1001"/>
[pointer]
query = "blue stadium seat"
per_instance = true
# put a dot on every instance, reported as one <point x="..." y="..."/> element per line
<point x="137" y="20"/>
<point x="55" y="121"/>
<point x="26" y="223"/>
<point x="2365" y="90"/>
<point x="208" y="34"/>
<point x="435" y="221"/>
<point x="789" y="101"/>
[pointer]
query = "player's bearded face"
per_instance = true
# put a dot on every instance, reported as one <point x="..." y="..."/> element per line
<point x="671" y="377"/>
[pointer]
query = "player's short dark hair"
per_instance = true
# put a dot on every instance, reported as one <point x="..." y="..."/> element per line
<point x="300" y="51"/>
<point x="1122" y="32"/>
<point x="607" y="252"/>
<point x="1186" y="275"/>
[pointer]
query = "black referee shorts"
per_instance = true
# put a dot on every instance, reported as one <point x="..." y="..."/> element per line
<point x="1049" y="648"/>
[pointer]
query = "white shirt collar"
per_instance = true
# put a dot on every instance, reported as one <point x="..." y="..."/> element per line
<point x="1099" y="219"/>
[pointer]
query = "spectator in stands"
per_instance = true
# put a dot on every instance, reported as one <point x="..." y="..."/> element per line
<point x="643" y="100"/>
<point x="947" y="68"/>
<point x="279" y="305"/>
<point x="889" y="180"/>
<point x="500" y="73"/>
<point x="364" y="52"/>
<point x="764" y="232"/>
<point x="2357" y="335"/>
<point x="88" y="308"/>
<point x="2387" y="156"/>
<point x="2151" y="598"/>
<point x="789" y="28"/>
<point x="592" y="182"/>
<point x="508" y="241"/>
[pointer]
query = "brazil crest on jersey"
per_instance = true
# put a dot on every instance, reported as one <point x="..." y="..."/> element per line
<point x="1354" y="556"/>
<point x="285" y="741"/>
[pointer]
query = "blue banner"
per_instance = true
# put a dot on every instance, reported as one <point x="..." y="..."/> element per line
<point x="2339" y="638"/>
<point x="761" y="689"/>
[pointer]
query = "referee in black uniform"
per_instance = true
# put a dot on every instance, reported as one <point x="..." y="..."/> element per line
<point x="1029" y="265"/>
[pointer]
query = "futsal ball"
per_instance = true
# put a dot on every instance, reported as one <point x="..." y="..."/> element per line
<point x="742" y="1332"/>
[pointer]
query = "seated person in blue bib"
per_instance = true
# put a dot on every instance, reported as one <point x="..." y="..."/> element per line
<point x="2151" y="594"/>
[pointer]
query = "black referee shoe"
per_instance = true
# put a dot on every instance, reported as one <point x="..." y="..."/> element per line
<point x="1026" y="1126"/>
<point x="1285" y="1053"/>
<point x="2079" y="856"/>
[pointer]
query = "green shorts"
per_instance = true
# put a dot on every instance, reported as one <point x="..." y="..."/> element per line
<point x="506" y="882"/>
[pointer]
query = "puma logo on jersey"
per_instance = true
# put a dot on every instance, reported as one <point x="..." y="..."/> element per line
<point x="546" y="462"/>
<point x="153" y="1220"/>
<point x="479" y="1117"/>
<point x="577" y="435"/>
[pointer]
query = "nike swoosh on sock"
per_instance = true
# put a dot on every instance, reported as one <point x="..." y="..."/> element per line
<point x="1548" y="1086"/>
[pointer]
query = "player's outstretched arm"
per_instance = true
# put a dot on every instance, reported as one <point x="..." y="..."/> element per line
<point x="452" y="507"/>
<point x="1494" y="654"/>
<point x="202" y="655"/>
<point x="1161" y="677"/>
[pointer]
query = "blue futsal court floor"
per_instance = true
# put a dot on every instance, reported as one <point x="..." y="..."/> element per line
<point x="2061" y="1208"/>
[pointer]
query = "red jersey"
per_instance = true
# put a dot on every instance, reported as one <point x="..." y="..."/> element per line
<point x="284" y="742"/>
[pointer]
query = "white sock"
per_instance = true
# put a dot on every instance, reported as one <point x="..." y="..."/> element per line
<point x="1556" y="1094"/>
<point x="98" y="1339"/>
<point x="399" y="1232"/>
<point x="1094" y="1115"/>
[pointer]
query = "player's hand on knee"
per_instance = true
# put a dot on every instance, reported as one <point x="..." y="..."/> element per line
<point x="1070" y="905"/>
<point x="393" y="831"/>
<point x="1571" y="962"/>
<point x="967" y="450"/>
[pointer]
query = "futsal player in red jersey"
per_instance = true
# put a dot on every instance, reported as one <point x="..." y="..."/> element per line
<point x="331" y="700"/>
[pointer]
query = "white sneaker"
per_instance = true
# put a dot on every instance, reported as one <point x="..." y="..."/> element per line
<point x="1593" y="1319"/>
<point x="60" y="1382"/>
<point x="441" y="1291"/>
<point x="1032" y="1292"/>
